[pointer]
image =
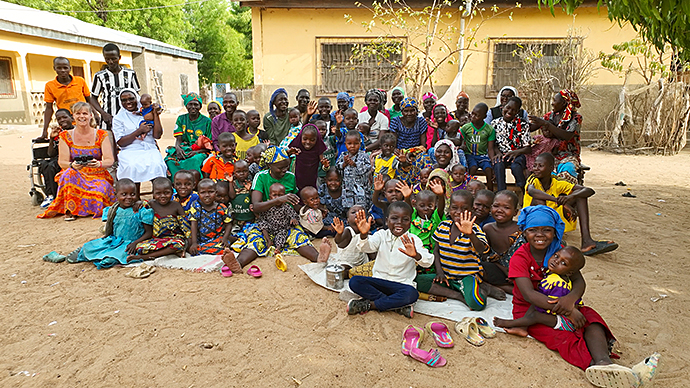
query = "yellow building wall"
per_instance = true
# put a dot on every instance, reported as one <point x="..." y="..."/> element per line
<point x="285" y="52"/>
<point x="15" y="103"/>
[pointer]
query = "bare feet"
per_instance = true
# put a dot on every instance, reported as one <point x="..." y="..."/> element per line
<point x="230" y="260"/>
<point x="506" y="325"/>
<point x="324" y="250"/>
<point x="493" y="291"/>
<point x="137" y="257"/>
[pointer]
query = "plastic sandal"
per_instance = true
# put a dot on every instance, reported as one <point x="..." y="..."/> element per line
<point x="485" y="330"/>
<point x="647" y="369"/>
<point x="280" y="262"/>
<point x="440" y="333"/>
<point x="467" y="328"/>
<point x="432" y="358"/>
<point x="254" y="271"/>
<point x="54" y="257"/>
<point x="612" y="376"/>
<point x="225" y="271"/>
<point x="411" y="338"/>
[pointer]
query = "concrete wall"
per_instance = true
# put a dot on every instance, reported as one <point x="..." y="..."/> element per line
<point x="285" y="51"/>
<point x="171" y="67"/>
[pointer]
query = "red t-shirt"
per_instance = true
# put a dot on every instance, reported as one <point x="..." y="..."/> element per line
<point x="523" y="265"/>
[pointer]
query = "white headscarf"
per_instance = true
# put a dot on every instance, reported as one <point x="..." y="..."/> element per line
<point x="498" y="96"/>
<point x="455" y="159"/>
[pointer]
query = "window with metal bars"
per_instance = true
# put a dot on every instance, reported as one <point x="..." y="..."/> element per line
<point x="506" y="65"/>
<point x="350" y="65"/>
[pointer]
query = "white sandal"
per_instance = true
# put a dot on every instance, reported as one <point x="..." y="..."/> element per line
<point x="612" y="376"/>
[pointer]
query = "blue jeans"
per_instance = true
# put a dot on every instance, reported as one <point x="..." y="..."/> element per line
<point x="461" y="156"/>
<point x="517" y="167"/>
<point x="385" y="294"/>
<point x="481" y="161"/>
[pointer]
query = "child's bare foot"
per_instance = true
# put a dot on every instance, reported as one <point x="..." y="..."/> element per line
<point x="493" y="291"/>
<point x="230" y="260"/>
<point x="131" y="258"/>
<point x="507" y="326"/>
<point x="324" y="250"/>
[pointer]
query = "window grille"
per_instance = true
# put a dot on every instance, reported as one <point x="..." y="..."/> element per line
<point x="6" y="80"/>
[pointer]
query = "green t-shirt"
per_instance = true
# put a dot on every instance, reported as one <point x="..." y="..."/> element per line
<point x="424" y="229"/>
<point x="276" y="128"/>
<point x="263" y="181"/>
<point x="240" y="205"/>
<point x="477" y="140"/>
<point x="330" y="154"/>
<point x="191" y="130"/>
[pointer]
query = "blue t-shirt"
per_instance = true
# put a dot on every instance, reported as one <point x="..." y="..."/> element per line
<point x="408" y="137"/>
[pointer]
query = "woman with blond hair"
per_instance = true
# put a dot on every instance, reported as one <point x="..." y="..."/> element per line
<point x="84" y="185"/>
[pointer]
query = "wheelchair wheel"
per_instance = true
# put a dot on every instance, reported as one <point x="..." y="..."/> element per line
<point x="36" y="198"/>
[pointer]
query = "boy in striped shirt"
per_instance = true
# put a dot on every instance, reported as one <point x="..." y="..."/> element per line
<point x="459" y="243"/>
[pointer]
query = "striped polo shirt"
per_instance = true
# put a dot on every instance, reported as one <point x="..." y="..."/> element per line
<point x="458" y="259"/>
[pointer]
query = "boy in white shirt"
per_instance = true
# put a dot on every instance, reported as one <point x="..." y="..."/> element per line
<point x="392" y="285"/>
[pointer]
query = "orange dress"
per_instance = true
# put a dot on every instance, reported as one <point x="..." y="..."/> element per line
<point x="83" y="192"/>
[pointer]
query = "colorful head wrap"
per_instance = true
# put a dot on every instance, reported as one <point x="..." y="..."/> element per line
<point x="540" y="215"/>
<point x="448" y="116"/>
<point x="462" y="94"/>
<point x="445" y="177"/>
<point x="429" y="95"/>
<point x="378" y="93"/>
<point x="346" y="96"/>
<point x="273" y="155"/>
<point x="187" y="98"/>
<point x="408" y="102"/>
<point x="214" y="102"/>
<point x="455" y="159"/>
<point x="275" y="94"/>
<point x="498" y="96"/>
<point x="572" y="103"/>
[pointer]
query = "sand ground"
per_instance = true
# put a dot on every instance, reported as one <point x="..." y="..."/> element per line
<point x="115" y="331"/>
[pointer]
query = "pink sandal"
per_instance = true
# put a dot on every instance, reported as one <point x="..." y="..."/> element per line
<point x="441" y="334"/>
<point x="432" y="358"/>
<point x="225" y="271"/>
<point x="412" y="336"/>
<point x="254" y="271"/>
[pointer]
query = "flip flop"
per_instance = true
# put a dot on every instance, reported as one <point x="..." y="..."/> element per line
<point x="70" y="218"/>
<point x="54" y="257"/>
<point x="467" y="328"/>
<point x="141" y="272"/>
<point x="254" y="271"/>
<point x="411" y="339"/>
<point x="440" y="333"/>
<point x="612" y="376"/>
<point x="601" y="247"/>
<point x="432" y="358"/>
<point x="225" y="271"/>
<point x="72" y="256"/>
<point x="485" y="330"/>
<point x="280" y="262"/>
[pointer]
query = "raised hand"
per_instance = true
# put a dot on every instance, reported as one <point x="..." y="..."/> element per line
<point x="293" y="151"/>
<point x="338" y="225"/>
<point x="408" y="245"/>
<point x="54" y="130"/>
<point x="363" y="224"/>
<point x="466" y="222"/>
<point x="325" y="163"/>
<point x="339" y="117"/>
<point x="402" y="157"/>
<point x="404" y="189"/>
<point x="378" y="182"/>
<point x="311" y="108"/>
<point x="436" y="187"/>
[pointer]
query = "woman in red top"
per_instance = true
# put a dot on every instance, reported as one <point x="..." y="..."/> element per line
<point x="589" y="346"/>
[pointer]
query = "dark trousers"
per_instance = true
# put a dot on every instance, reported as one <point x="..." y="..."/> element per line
<point x="517" y="167"/>
<point x="385" y="294"/>
<point x="49" y="168"/>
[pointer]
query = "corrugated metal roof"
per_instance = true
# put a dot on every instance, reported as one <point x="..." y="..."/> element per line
<point x="30" y="21"/>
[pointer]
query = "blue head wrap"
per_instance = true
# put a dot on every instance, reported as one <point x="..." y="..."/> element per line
<point x="540" y="215"/>
<point x="346" y="96"/>
<point x="273" y="99"/>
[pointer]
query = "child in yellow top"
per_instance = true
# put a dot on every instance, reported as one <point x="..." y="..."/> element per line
<point x="386" y="162"/>
<point x="569" y="200"/>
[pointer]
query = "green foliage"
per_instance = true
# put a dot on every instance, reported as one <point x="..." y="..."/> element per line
<point x="643" y="60"/>
<point x="218" y="29"/>
<point x="661" y="22"/>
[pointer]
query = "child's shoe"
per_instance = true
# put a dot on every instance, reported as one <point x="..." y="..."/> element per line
<point x="647" y="369"/>
<point x="358" y="306"/>
<point x="406" y="311"/>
